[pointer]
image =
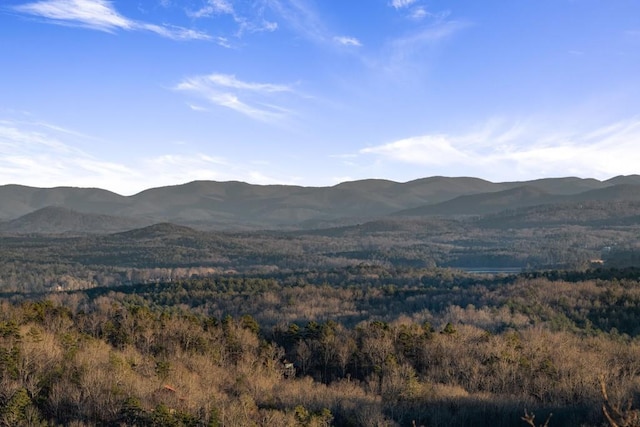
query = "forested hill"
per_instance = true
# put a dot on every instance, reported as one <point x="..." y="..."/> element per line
<point x="59" y="220"/>
<point x="238" y="205"/>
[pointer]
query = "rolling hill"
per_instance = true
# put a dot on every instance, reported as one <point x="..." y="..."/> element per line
<point x="59" y="220"/>
<point x="237" y="205"/>
<point x="484" y="203"/>
<point x="521" y="197"/>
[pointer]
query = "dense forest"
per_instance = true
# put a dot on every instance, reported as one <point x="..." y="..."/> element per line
<point x="363" y="345"/>
<point x="531" y="239"/>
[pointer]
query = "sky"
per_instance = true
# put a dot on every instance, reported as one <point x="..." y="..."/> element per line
<point x="132" y="94"/>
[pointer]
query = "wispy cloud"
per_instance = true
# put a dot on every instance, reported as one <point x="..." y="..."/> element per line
<point x="401" y="4"/>
<point x="248" y="21"/>
<point x="347" y="41"/>
<point x="304" y="19"/>
<point x="40" y="154"/>
<point x="301" y="17"/>
<point x="195" y="107"/>
<point x="403" y="57"/>
<point x="252" y="99"/>
<point x="430" y="34"/>
<point x="435" y="149"/>
<point x="230" y="81"/>
<point x="223" y="42"/>
<point x="418" y="13"/>
<point x="37" y="153"/>
<point x="214" y="7"/>
<point x="500" y="151"/>
<point x="414" y="10"/>
<point x="102" y="16"/>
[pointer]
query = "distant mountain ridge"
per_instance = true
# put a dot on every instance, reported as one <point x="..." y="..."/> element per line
<point x="237" y="205"/>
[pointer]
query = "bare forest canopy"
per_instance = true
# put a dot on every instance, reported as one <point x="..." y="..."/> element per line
<point x="357" y="346"/>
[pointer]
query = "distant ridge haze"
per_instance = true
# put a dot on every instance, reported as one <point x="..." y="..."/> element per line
<point x="238" y="205"/>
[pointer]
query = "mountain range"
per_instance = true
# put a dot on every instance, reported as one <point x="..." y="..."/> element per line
<point x="236" y="205"/>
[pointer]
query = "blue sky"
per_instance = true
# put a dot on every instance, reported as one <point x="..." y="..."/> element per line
<point x="131" y="94"/>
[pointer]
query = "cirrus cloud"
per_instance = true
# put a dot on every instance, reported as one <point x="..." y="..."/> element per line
<point x="33" y="153"/>
<point x="251" y="21"/>
<point x="347" y="41"/>
<point x="499" y="151"/>
<point x="252" y="99"/>
<point x="401" y="4"/>
<point x="102" y="16"/>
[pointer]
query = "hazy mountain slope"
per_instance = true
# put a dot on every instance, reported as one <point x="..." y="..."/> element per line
<point x="622" y="179"/>
<point x="15" y="200"/>
<point x="245" y="203"/>
<point x="368" y="185"/>
<point x="562" y="186"/>
<point x="628" y="192"/>
<point x="437" y="189"/>
<point x="201" y="202"/>
<point x="523" y="196"/>
<point x="593" y="213"/>
<point x="18" y="200"/>
<point x="238" y="205"/>
<point x="480" y="204"/>
<point x="58" y="220"/>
